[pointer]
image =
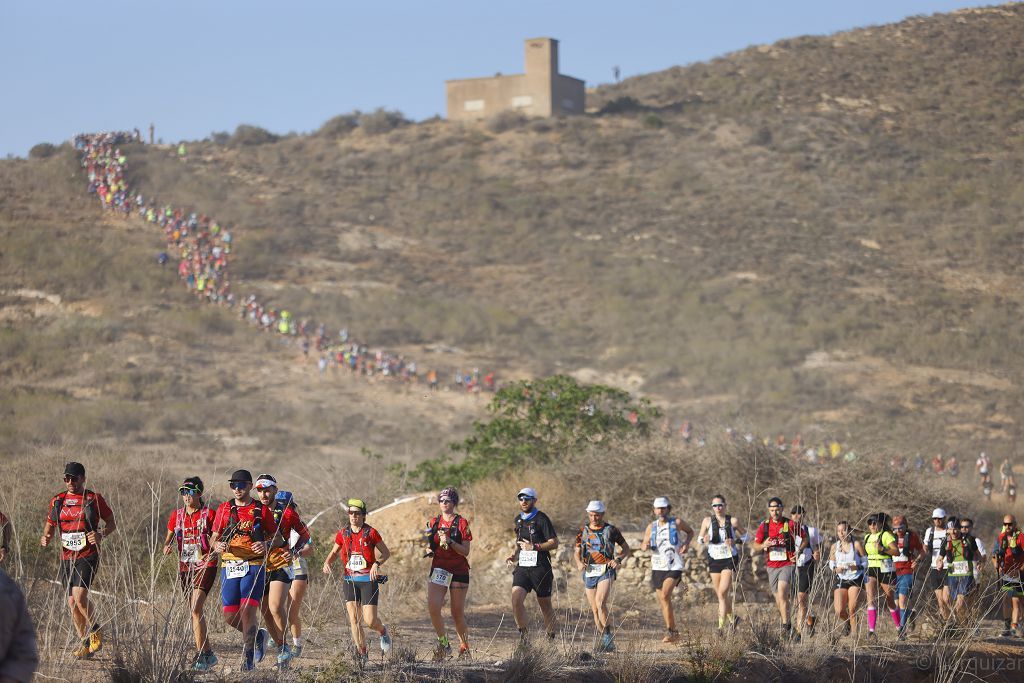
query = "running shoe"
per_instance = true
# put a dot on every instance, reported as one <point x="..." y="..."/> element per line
<point x="735" y="623"/>
<point x="261" y="646"/>
<point x="1005" y="633"/>
<point x="284" y="654"/>
<point x="95" y="642"/>
<point x="82" y="651"/>
<point x="247" y="663"/>
<point x="362" y="657"/>
<point x="296" y="651"/>
<point x="606" y="642"/>
<point x="205" y="661"/>
<point x="385" y="641"/>
<point x="464" y="651"/>
<point x="871" y="635"/>
<point x="671" y="637"/>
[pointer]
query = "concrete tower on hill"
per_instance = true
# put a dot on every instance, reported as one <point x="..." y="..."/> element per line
<point x="541" y="91"/>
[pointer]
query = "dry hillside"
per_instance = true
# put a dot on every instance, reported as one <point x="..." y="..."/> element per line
<point x="821" y="235"/>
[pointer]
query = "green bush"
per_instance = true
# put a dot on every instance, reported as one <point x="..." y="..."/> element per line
<point x="42" y="151"/>
<point x="340" y="125"/>
<point x="382" y="121"/>
<point x="246" y="135"/>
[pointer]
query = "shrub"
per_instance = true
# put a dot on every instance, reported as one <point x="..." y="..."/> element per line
<point x="340" y="125"/>
<point x="505" y="120"/>
<point x="246" y="135"/>
<point x="653" y="121"/>
<point x="42" y="151"/>
<point x="382" y="121"/>
<point x="220" y="137"/>
<point x="621" y="104"/>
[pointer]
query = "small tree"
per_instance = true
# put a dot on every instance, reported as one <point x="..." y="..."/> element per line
<point x="42" y="151"/>
<point x="538" y="421"/>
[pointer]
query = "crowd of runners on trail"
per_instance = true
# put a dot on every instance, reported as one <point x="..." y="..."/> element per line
<point x="202" y="249"/>
<point x="258" y="546"/>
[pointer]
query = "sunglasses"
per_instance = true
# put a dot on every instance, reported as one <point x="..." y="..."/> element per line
<point x="238" y="485"/>
<point x="356" y="512"/>
<point x="1007" y="523"/>
<point x="899" y="528"/>
<point x="526" y="498"/>
<point x="189" y="492"/>
<point x="444" y="500"/>
<point x="71" y="477"/>
<point x="938" y="519"/>
<point x="718" y="505"/>
<point x="965" y="528"/>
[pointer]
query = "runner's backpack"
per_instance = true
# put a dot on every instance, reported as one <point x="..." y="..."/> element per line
<point x="603" y="535"/>
<point x="91" y="516"/>
<point x="348" y="536"/>
<point x="257" y="521"/>
<point x="673" y="533"/>
<point x="729" y="531"/>
<point x="762" y="531"/>
<point x="179" y="527"/>
<point x="454" y="533"/>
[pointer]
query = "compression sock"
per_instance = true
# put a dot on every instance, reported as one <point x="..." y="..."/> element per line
<point x="895" y="617"/>
<point x="872" y="618"/>
<point x="443" y="641"/>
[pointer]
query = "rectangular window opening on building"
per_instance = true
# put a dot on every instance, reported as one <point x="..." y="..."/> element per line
<point x="522" y="101"/>
<point x="474" y="105"/>
<point x="568" y="105"/>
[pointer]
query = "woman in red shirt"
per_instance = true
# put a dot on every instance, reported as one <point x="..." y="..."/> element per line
<point x="449" y="537"/>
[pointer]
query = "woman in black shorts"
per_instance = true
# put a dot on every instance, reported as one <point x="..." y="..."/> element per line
<point x="849" y="561"/>
<point x="722" y="534"/>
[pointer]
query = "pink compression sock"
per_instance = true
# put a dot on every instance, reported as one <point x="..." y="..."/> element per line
<point x="872" y="618"/>
<point x="895" y="617"/>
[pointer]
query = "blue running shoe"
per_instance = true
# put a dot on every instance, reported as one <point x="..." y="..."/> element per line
<point x="247" y="663"/>
<point x="261" y="645"/>
<point x="606" y="643"/>
<point x="284" y="654"/>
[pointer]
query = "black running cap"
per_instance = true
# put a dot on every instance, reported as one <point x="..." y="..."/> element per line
<point x="75" y="469"/>
<point x="241" y="475"/>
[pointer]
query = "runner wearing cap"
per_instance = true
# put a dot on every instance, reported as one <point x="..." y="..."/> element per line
<point x="298" y="570"/>
<point x="959" y="553"/>
<point x="362" y="553"/>
<point x="189" y="527"/>
<point x="449" y="538"/>
<point x="535" y="539"/>
<point x="934" y="541"/>
<point x="240" y="530"/>
<point x="75" y="514"/>
<point x="806" y="561"/>
<point x="1008" y="560"/>
<point x="911" y="549"/>
<point x="274" y="606"/>
<point x="664" y="536"/>
<point x="722" y="533"/>
<point x="777" y="538"/>
<point x="596" y="560"/>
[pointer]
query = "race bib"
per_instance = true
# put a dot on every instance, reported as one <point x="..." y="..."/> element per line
<point x="776" y="555"/>
<point x="356" y="563"/>
<point x="298" y="564"/>
<point x="901" y="558"/>
<point x="235" y="569"/>
<point x="720" y="551"/>
<point x="189" y="553"/>
<point x="802" y="559"/>
<point x="887" y="566"/>
<point x="659" y="562"/>
<point x="594" y="570"/>
<point x="441" y="577"/>
<point x="961" y="568"/>
<point x="74" y="541"/>
<point x="527" y="558"/>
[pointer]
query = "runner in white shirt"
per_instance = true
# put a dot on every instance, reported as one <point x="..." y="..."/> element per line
<point x="664" y="536"/>
<point x="934" y="540"/>
<point x="806" y="562"/>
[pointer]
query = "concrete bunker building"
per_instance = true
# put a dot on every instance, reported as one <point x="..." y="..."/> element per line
<point x="541" y="91"/>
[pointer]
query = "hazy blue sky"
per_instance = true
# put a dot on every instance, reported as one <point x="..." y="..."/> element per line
<point x="193" y="67"/>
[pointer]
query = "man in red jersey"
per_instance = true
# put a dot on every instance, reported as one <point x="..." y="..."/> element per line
<point x="75" y="514"/>
<point x="240" y="530"/>
<point x="1008" y="559"/>
<point x="778" y="538"/>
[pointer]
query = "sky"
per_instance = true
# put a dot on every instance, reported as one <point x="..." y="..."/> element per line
<point x="194" y="67"/>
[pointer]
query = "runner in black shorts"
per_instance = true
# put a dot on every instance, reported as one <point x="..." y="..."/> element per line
<point x="535" y="539"/>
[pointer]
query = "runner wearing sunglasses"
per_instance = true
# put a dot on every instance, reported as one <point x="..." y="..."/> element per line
<point x="449" y="538"/>
<point x="75" y="514"/>
<point x="669" y="540"/>
<point x="535" y="539"/>
<point x="722" y="535"/>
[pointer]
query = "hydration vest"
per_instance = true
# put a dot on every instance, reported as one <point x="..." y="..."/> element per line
<point x="453" y="531"/>
<point x="673" y="533"/>
<point x="90" y="516"/>
<point x="604" y="543"/>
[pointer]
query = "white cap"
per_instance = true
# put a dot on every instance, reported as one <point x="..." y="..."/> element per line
<point x="938" y="512"/>
<point x="528" y="492"/>
<point x="264" y="484"/>
<point x="661" y="502"/>
<point x="595" y="506"/>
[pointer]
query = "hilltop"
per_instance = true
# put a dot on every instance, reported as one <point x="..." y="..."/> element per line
<point x="819" y="235"/>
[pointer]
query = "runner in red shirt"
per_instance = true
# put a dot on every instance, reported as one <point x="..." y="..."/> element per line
<point x="1008" y="559"/>
<point x="777" y="537"/>
<point x="362" y="552"/>
<point x="75" y="515"/>
<point x="449" y="538"/>
<point x="190" y="527"/>
<point x="240" y="530"/>
<point x="911" y="549"/>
